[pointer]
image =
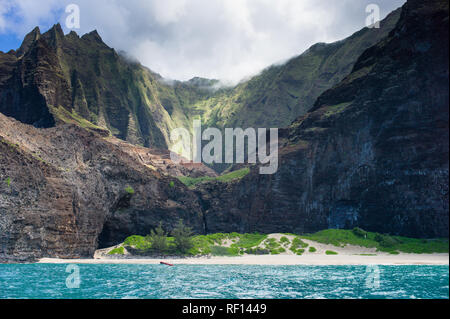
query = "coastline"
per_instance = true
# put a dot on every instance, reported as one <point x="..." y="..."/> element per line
<point x="280" y="260"/>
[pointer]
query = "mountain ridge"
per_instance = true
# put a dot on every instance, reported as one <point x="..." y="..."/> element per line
<point x="94" y="86"/>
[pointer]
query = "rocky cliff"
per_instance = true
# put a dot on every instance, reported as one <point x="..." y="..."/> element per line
<point x="56" y="79"/>
<point x="372" y="153"/>
<point x="66" y="191"/>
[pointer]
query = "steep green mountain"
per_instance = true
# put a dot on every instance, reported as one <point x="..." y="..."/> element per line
<point x="56" y="78"/>
<point x="281" y="93"/>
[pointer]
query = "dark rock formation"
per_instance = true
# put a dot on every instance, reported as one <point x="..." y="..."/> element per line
<point x="65" y="191"/>
<point x="372" y="153"/>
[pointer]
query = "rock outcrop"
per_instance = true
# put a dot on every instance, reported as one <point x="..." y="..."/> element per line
<point x="372" y="153"/>
<point x="65" y="191"/>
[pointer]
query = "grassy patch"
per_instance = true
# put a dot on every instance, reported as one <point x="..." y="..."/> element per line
<point x="234" y="244"/>
<point x="129" y="190"/>
<point x="224" y="251"/>
<point x="74" y="118"/>
<point x="285" y="241"/>
<point x="138" y="242"/>
<point x="8" y="181"/>
<point x="257" y="251"/>
<point x="336" y="109"/>
<point x="250" y="240"/>
<point x="202" y="246"/>
<point x="386" y="243"/>
<point x="226" y="178"/>
<point x="274" y="246"/>
<point x="117" y="251"/>
<point x="298" y="244"/>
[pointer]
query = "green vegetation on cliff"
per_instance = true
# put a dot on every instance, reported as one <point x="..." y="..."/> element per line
<point x="282" y="93"/>
<point x="226" y="178"/>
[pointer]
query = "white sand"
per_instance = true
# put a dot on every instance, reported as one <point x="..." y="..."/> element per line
<point x="402" y="259"/>
<point x="348" y="255"/>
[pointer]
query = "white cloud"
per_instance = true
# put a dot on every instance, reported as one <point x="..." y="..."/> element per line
<point x="225" y="39"/>
<point x="21" y="16"/>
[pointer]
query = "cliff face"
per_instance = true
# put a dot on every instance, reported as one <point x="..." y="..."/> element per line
<point x="66" y="191"/>
<point x="372" y="153"/>
<point x="55" y="79"/>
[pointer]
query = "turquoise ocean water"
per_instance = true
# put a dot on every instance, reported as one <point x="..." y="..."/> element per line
<point x="217" y="282"/>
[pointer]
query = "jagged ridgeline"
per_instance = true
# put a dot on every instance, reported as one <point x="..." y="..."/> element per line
<point x="55" y="78"/>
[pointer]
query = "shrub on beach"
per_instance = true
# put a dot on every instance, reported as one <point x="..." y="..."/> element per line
<point x="257" y="251"/>
<point x="183" y="238"/>
<point x="386" y="241"/>
<point x="360" y="232"/>
<point x="158" y="239"/>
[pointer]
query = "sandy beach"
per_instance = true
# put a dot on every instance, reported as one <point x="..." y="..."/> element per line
<point x="348" y="255"/>
<point x="402" y="259"/>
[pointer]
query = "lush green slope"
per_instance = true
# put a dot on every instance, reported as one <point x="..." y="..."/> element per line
<point x="280" y="94"/>
<point x="225" y="178"/>
<point x="122" y="95"/>
<point x="81" y="80"/>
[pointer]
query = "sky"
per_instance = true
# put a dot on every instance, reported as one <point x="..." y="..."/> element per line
<point x="181" y="39"/>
